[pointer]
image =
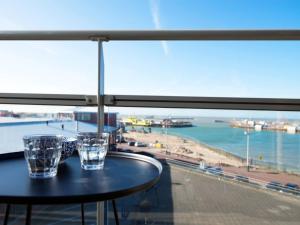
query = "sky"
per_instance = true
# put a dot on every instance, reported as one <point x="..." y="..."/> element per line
<point x="203" y="68"/>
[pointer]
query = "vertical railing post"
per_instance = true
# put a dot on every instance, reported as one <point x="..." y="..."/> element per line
<point x="100" y="118"/>
<point x="100" y="94"/>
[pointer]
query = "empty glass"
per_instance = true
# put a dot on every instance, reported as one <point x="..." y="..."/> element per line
<point x="92" y="149"/>
<point x="42" y="153"/>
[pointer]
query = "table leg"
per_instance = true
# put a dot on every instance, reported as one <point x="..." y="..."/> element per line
<point x="115" y="212"/>
<point x="100" y="213"/>
<point x="6" y="214"/>
<point x="82" y="214"/>
<point x="28" y="215"/>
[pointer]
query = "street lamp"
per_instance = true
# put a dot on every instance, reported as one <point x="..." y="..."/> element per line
<point x="247" y="133"/>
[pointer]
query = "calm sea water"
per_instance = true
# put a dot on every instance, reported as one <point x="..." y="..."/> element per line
<point x="277" y="149"/>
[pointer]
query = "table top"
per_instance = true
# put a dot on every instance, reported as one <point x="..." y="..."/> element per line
<point x="123" y="174"/>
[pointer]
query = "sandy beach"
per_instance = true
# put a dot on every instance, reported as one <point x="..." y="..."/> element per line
<point x="185" y="148"/>
<point x="195" y="152"/>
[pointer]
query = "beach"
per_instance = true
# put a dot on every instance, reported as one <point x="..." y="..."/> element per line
<point x="179" y="148"/>
<point x="185" y="148"/>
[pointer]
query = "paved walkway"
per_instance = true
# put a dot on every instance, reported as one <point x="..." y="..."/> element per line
<point x="265" y="175"/>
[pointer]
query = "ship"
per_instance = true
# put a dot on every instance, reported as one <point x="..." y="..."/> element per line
<point x="219" y="121"/>
<point x="175" y="123"/>
<point x="133" y="121"/>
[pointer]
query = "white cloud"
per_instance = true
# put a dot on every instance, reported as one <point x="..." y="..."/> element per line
<point x="155" y="13"/>
<point x="154" y="4"/>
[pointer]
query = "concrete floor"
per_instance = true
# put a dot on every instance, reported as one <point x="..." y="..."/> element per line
<point x="182" y="197"/>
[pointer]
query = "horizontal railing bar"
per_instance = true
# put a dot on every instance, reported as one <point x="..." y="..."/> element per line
<point x="48" y="99"/>
<point x="150" y="35"/>
<point x="272" y="104"/>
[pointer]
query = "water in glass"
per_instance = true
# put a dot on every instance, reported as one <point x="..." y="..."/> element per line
<point x="42" y="153"/>
<point x="92" y="149"/>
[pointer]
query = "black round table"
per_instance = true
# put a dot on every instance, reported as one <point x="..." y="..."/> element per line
<point x="123" y="174"/>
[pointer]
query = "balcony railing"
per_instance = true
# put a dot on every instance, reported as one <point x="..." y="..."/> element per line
<point x="100" y="99"/>
<point x="151" y="101"/>
<point x="151" y="35"/>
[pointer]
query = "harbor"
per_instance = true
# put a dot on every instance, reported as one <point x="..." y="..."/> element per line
<point x="258" y="125"/>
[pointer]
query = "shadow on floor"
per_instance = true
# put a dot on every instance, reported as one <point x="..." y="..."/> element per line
<point x="153" y="206"/>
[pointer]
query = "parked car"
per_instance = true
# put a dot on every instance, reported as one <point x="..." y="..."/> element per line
<point x="140" y="144"/>
<point x="131" y="143"/>
<point x="202" y="167"/>
<point x="274" y="185"/>
<point x="292" y="188"/>
<point x="205" y="168"/>
<point x="215" y="170"/>
<point x="241" y="178"/>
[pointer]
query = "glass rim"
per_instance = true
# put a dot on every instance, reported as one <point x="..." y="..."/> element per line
<point x="43" y="136"/>
<point x="92" y="134"/>
<point x="69" y="139"/>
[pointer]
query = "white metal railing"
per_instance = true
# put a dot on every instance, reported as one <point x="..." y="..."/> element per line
<point x="151" y="35"/>
<point x="48" y="99"/>
<point x="203" y="102"/>
<point x="151" y="101"/>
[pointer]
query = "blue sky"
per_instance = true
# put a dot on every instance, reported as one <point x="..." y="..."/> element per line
<point x="238" y="69"/>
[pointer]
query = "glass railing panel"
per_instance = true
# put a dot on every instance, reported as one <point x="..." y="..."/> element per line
<point x="48" y="67"/>
<point x="271" y="137"/>
<point x="206" y="176"/>
<point x="260" y="69"/>
<point x="204" y="157"/>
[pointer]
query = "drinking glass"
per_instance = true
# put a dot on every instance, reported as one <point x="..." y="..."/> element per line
<point x="92" y="149"/>
<point x="42" y="153"/>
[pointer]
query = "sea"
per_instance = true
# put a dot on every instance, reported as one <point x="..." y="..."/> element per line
<point x="276" y="149"/>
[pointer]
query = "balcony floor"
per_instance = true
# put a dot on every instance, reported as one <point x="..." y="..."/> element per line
<point x="182" y="197"/>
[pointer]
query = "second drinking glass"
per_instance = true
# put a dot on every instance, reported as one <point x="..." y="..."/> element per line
<point x="92" y="149"/>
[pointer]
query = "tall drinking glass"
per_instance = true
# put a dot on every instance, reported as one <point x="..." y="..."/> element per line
<point x="92" y="149"/>
<point x="42" y="153"/>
